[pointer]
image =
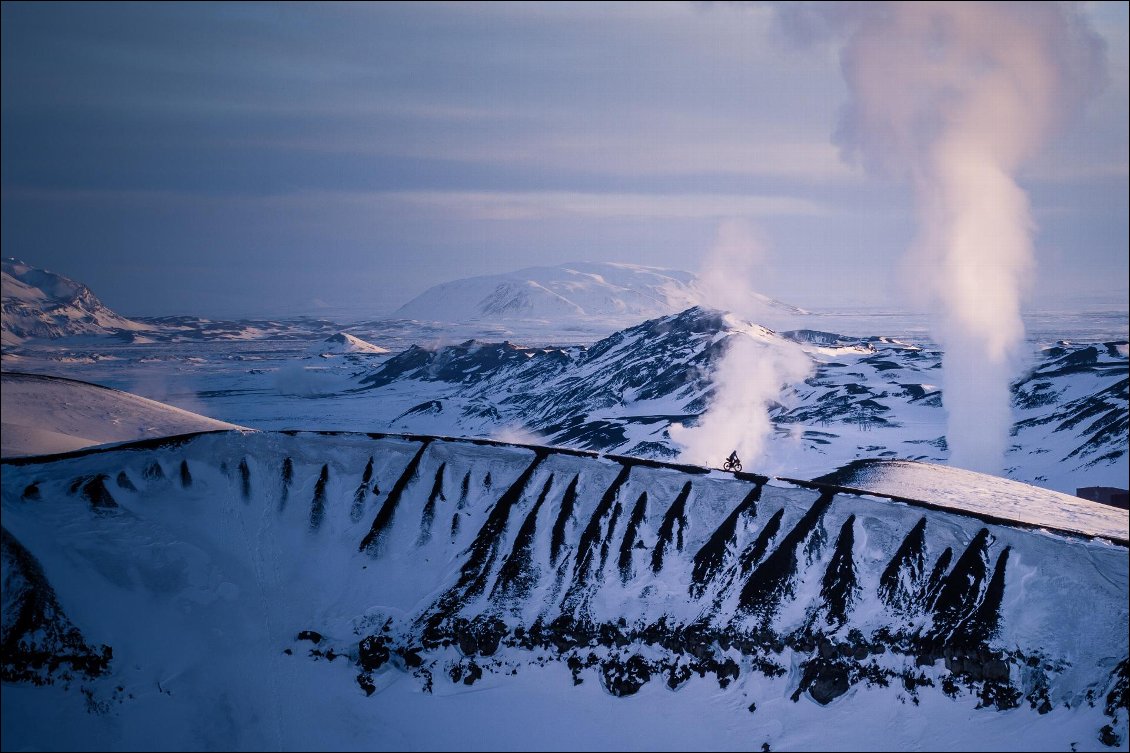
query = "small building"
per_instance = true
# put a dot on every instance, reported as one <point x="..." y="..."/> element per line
<point x="1108" y="495"/>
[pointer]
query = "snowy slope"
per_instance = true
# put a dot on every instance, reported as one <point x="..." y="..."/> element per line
<point x="1073" y="406"/>
<point x="43" y="415"/>
<point x="580" y="292"/>
<point x="296" y="590"/>
<point x="38" y="303"/>
<point x="982" y="495"/>
<point x="195" y="329"/>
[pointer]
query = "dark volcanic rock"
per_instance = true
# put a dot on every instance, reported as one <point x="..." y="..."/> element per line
<point x="773" y="579"/>
<point x="373" y="652"/>
<point x="318" y="503"/>
<point x="825" y="680"/>
<point x="384" y="516"/>
<point x="671" y="529"/>
<point x="39" y="644"/>
<point x="625" y="677"/>
<point x="711" y="557"/>
<point x="840" y="587"/>
<point x="902" y="584"/>
<point x="95" y="492"/>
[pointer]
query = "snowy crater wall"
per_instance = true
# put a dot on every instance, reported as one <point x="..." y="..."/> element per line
<point x="238" y="559"/>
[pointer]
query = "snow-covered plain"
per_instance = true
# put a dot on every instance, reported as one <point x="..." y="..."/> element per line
<point x="869" y="396"/>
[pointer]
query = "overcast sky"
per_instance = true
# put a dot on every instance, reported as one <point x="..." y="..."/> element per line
<point x="240" y="159"/>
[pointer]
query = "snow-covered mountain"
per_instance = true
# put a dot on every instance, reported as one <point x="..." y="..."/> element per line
<point x="38" y="303"/>
<point x="867" y="397"/>
<point x="576" y="293"/>
<point x="344" y="343"/>
<point x="44" y="414"/>
<point x="301" y="590"/>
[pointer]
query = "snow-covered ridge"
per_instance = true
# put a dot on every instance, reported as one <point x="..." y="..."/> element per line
<point x="983" y="495"/>
<point x="44" y="415"/>
<point x="360" y="571"/>
<point x="958" y="491"/>
<point x="38" y="303"/>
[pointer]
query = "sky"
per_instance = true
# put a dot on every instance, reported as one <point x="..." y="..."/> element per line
<point x="265" y="159"/>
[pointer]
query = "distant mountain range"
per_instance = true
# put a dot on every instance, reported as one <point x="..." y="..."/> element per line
<point x="867" y="397"/>
<point x="596" y="298"/>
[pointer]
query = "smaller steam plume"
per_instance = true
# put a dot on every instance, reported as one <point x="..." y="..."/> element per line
<point x="750" y="377"/>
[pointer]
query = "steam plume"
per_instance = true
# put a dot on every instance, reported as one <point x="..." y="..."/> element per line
<point x="954" y="98"/>
<point x="749" y="377"/>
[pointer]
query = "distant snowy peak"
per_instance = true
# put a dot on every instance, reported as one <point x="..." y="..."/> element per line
<point x="38" y="303"/>
<point x="588" y="291"/>
<point x="345" y="344"/>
